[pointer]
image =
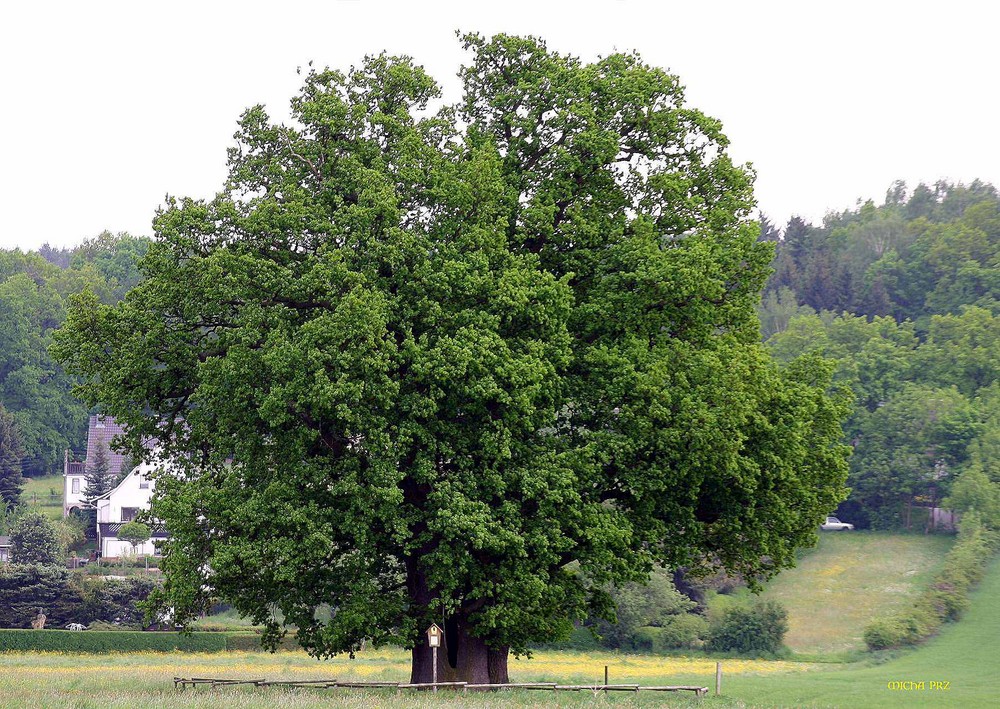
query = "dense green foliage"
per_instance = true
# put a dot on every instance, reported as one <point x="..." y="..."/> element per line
<point x="67" y="597"/>
<point x="654" y="604"/>
<point x="907" y="294"/>
<point x="926" y="253"/>
<point x="11" y="454"/>
<point x="135" y="533"/>
<point x="755" y="629"/>
<point x="450" y="353"/>
<point x="26" y="588"/>
<point x="110" y="641"/>
<point x="116" y="600"/>
<point x="34" y="290"/>
<point x="34" y="539"/>
<point x="685" y="631"/>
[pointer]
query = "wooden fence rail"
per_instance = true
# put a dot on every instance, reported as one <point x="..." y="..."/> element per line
<point x="182" y="683"/>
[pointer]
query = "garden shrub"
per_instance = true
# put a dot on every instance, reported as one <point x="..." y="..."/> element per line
<point x="905" y="628"/>
<point x="756" y="629"/>
<point x="35" y="539"/>
<point x="117" y="600"/>
<point x="884" y="633"/>
<point x="24" y="588"/>
<point x="949" y="600"/>
<point x="637" y="605"/>
<point x="683" y="631"/>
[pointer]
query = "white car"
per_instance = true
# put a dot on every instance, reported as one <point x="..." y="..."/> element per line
<point x="833" y="524"/>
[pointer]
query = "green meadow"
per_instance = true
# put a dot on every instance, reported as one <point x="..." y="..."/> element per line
<point x="955" y="669"/>
<point x="848" y="579"/>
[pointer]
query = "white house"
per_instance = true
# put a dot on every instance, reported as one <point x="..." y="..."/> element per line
<point x="74" y="485"/>
<point x="121" y="505"/>
<point x="99" y="434"/>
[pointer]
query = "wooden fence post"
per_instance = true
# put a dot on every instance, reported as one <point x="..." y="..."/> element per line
<point x="718" y="679"/>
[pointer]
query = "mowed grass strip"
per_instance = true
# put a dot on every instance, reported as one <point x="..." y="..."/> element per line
<point x="958" y="668"/>
<point x="849" y="579"/>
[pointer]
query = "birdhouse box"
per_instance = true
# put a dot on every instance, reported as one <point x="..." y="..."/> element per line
<point x="434" y="635"/>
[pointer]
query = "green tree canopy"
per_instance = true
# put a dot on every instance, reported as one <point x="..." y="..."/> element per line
<point x="911" y="449"/>
<point x="11" y="453"/>
<point x="135" y="533"/>
<point x="35" y="540"/>
<point x="931" y="254"/>
<point x="470" y="365"/>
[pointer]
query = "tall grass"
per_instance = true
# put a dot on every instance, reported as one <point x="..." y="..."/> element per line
<point x="849" y="579"/>
<point x="146" y="679"/>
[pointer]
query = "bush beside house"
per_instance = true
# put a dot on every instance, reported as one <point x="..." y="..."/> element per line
<point x="68" y="597"/>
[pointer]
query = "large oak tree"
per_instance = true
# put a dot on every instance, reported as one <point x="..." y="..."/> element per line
<point x="465" y="365"/>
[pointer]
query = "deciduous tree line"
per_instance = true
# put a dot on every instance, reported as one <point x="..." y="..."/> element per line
<point x="908" y="298"/>
<point x="34" y="291"/>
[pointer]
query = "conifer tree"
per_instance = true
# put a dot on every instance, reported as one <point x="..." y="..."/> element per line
<point x="98" y="478"/>
<point x="11" y="454"/>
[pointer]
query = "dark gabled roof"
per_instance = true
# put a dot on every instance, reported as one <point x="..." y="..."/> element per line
<point x="100" y="432"/>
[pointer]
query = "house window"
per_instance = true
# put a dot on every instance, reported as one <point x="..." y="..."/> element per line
<point x="143" y="482"/>
<point x="76" y="485"/>
<point x="129" y="513"/>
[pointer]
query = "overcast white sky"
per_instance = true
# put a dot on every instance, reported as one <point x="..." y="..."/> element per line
<point x="106" y="107"/>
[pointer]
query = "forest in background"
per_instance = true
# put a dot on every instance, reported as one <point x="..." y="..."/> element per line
<point x="35" y="288"/>
<point x="903" y="296"/>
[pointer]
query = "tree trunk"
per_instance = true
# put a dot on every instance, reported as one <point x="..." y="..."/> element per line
<point x="461" y="658"/>
<point x="497" y="663"/>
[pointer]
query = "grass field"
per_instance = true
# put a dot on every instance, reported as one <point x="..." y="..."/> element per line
<point x="38" y="494"/>
<point x="145" y="679"/>
<point x="964" y="656"/>
<point x="848" y="579"/>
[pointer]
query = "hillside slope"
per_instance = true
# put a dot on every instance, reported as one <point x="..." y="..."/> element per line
<point x="848" y="579"/>
<point x="958" y="668"/>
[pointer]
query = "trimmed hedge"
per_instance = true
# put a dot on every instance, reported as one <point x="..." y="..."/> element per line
<point x="948" y="595"/>
<point x="105" y="641"/>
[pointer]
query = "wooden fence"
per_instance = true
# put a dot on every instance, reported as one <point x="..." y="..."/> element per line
<point x="183" y="682"/>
